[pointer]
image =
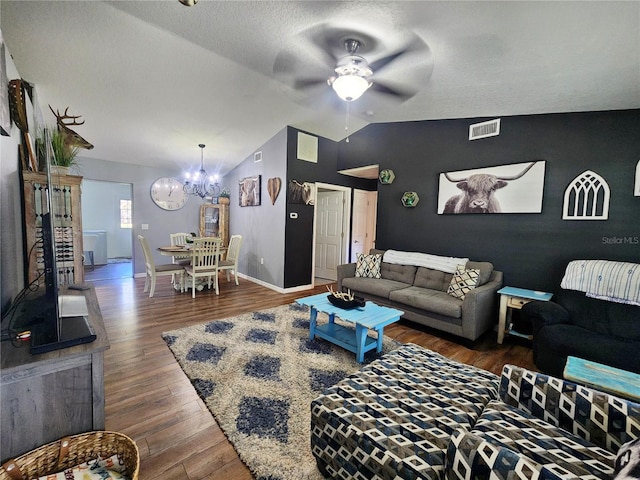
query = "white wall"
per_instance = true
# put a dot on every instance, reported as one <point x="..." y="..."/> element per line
<point x="12" y="276"/>
<point x="101" y="211"/>
<point x="160" y="222"/>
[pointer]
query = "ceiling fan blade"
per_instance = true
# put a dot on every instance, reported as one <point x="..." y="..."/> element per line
<point x="416" y="44"/>
<point x="383" y="62"/>
<point x="402" y="93"/>
<point x="303" y="83"/>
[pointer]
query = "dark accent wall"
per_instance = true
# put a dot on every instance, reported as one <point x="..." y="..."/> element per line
<point x="531" y="249"/>
<point x="299" y="232"/>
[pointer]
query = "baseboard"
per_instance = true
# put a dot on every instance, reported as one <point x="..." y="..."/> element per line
<point x="275" y="288"/>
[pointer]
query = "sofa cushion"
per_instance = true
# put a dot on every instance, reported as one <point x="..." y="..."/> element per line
<point x="473" y="456"/>
<point x="399" y="273"/>
<point x="486" y="269"/>
<point x="368" y="266"/>
<point x="394" y="417"/>
<point x="603" y="419"/>
<point x="570" y="456"/>
<point x="601" y="316"/>
<point x="432" y="279"/>
<point x="463" y="281"/>
<point x="372" y="286"/>
<point x="430" y="300"/>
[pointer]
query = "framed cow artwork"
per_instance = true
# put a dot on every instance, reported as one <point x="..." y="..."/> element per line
<point x="513" y="188"/>
<point x="249" y="191"/>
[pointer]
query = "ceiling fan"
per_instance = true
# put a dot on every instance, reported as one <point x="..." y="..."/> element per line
<point x="353" y="62"/>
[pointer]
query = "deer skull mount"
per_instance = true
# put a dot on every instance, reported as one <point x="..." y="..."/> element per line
<point x="71" y="138"/>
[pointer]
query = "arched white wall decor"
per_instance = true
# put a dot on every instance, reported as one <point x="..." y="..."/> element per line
<point x="586" y="198"/>
<point x="636" y="188"/>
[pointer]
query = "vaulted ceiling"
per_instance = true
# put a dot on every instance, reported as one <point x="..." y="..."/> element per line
<point x="153" y="79"/>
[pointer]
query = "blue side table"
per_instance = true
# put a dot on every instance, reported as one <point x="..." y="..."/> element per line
<point x="513" y="297"/>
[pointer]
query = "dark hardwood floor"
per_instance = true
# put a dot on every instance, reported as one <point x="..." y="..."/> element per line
<point x="150" y="399"/>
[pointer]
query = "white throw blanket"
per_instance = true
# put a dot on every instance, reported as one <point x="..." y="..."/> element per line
<point x="604" y="279"/>
<point x="436" y="262"/>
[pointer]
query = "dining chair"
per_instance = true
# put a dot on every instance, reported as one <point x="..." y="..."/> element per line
<point x="230" y="264"/>
<point x="179" y="238"/>
<point x="205" y="253"/>
<point x="153" y="271"/>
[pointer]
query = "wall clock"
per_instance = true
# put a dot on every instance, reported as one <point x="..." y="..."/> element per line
<point x="168" y="193"/>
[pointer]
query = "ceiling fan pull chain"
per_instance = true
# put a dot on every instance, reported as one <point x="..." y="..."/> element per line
<point x="346" y="124"/>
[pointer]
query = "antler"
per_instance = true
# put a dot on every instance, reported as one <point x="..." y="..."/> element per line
<point x="454" y="180"/>
<point x="515" y="177"/>
<point x="61" y="118"/>
<point x="512" y="177"/>
<point x="347" y="296"/>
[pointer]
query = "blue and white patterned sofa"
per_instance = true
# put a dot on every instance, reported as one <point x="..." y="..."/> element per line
<point x="414" y="414"/>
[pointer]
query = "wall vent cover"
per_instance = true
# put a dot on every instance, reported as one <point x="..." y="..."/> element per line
<point x="257" y="157"/>
<point x="484" y="129"/>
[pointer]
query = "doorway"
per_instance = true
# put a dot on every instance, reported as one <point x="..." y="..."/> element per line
<point x="363" y="234"/>
<point x="107" y="220"/>
<point x="331" y="231"/>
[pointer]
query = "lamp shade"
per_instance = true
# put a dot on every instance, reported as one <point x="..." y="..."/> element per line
<point x="350" y="87"/>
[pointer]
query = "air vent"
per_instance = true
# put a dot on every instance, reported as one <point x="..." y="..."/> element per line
<point x="484" y="129"/>
<point x="257" y="157"/>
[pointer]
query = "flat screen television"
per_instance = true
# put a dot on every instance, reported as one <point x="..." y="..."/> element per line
<point x="56" y="321"/>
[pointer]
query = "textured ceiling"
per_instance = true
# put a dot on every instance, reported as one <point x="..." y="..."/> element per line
<point x="154" y="79"/>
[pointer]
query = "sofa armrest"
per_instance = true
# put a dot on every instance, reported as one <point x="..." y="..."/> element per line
<point x="471" y="456"/>
<point x="478" y="307"/>
<point x="605" y="420"/>
<point x="346" y="270"/>
<point x="541" y="313"/>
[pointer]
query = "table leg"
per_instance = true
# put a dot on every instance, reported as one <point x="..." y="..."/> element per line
<point x="380" y="336"/>
<point x="361" y="336"/>
<point x="502" y="317"/>
<point x="332" y="318"/>
<point x="312" y="323"/>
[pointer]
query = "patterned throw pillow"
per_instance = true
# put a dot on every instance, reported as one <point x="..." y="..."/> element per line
<point x="463" y="281"/>
<point x="368" y="265"/>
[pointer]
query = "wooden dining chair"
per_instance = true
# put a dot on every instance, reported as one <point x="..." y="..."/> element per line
<point x="230" y="264"/>
<point x="153" y="271"/>
<point x="205" y="257"/>
<point x="179" y="238"/>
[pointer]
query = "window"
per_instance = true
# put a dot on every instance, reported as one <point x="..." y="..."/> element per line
<point x="126" y="220"/>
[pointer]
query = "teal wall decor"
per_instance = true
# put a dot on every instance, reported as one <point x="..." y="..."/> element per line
<point x="410" y="199"/>
<point x="386" y="176"/>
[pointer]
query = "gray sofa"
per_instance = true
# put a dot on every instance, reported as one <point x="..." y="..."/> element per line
<point x="421" y="293"/>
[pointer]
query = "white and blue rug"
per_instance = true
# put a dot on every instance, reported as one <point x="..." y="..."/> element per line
<point x="258" y="373"/>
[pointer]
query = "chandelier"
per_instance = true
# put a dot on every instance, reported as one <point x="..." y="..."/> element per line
<point x="200" y="183"/>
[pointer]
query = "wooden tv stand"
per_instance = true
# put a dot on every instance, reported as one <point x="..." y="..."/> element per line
<point x="45" y="397"/>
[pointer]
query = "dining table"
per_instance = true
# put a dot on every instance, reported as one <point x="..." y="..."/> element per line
<point x="185" y="251"/>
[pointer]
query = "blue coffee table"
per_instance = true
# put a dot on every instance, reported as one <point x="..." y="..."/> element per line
<point x="356" y="340"/>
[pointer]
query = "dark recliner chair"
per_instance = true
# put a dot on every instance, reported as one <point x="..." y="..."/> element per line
<point x="572" y="324"/>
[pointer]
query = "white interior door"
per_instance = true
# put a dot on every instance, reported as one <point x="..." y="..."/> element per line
<point x="364" y="222"/>
<point x="329" y="234"/>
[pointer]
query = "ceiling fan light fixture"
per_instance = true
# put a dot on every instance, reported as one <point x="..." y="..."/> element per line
<point x="350" y="87"/>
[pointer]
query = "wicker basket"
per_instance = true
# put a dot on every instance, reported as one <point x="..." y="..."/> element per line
<point x="71" y="451"/>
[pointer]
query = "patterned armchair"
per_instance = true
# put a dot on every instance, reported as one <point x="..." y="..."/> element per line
<point x="543" y="427"/>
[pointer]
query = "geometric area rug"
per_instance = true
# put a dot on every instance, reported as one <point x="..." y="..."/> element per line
<point x="258" y="373"/>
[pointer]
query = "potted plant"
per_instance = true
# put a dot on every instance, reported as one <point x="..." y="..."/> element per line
<point x="224" y="196"/>
<point x="64" y="156"/>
